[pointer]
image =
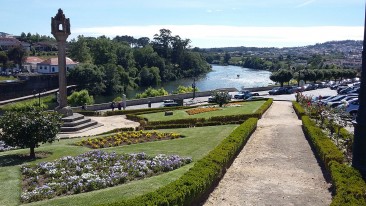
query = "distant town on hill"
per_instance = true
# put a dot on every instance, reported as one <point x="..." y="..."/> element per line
<point x="347" y="53"/>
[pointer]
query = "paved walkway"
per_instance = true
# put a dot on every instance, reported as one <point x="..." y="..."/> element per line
<point x="276" y="167"/>
<point x="109" y="123"/>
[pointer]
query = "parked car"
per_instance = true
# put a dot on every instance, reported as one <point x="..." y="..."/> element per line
<point x="245" y="94"/>
<point x="170" y="103"/>
<point x="352" y="108"/>
<point x="343" y="101"/>
<point x="293" y="89"/>
<point x="278" y="90"/>
<point x="308" y="87"/>
<point x="337" y="98"/>
<point x="345" y="90"/>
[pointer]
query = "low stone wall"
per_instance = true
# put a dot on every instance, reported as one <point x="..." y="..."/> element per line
<point x="133" y="102"/>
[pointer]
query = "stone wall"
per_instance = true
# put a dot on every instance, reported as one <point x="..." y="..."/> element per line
<point x="27" y="85"/>
<point x="133" y="102"/>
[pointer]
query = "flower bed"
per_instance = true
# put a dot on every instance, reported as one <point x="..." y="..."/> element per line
<point x="90" y="171"/>
<point x="4" y="147"/>
<point x="201" y="110"/>
<point x="126" y="138"/>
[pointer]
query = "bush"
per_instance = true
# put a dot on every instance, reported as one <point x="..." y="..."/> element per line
<point x="349" y="185"/>
<point x="150" y="92"/>
<point x="80" y="98"/>
<point x="324" y="147"/>
<point x="298" y="109"/>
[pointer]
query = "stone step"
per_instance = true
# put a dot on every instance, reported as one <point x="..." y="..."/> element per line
<point x="73" y="117"/>
<point x="76" y="128"/>
<point x="76" y="123"/>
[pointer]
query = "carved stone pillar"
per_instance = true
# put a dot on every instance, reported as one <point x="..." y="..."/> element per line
<point x="60" y="29"/>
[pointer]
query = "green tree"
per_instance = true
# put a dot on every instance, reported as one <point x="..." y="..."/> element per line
<point x="17" y="54"/>
<point x="227" y="57"/>
<point x="112" y="79"/>
<point x="150" y="76"/>
<point x="80" y="98"/>
<point x="221" y="98"/>
<point x="29" y="128"/>
<point x="281" y="76"/>
<point x="143" y="41"/>
<point x="103" y="51"/>
<point x="3" y="59"/>
<point x="80" y="51"/>
<point x="89" y="77"/>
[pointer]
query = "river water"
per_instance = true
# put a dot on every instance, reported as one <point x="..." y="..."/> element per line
<point x="220" y="77"/>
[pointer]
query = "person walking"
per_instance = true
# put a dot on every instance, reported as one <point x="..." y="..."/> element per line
<point x="112" y="106"/>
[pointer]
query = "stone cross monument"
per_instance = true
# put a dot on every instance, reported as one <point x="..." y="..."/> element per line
<point x="60" y="29"/>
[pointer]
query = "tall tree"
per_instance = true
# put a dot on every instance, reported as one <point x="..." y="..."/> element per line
<point x="80" y="51"/>
<point x="3" y="59"/>
<point x="162" y="43"/>
<point x="17" y="54"/>
<point x="89" y="77"/>
<point x="281" y="76"/>
<point x="143" y="41"/>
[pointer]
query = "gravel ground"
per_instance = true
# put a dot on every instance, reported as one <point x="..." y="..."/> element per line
<point x="276" y="167"/>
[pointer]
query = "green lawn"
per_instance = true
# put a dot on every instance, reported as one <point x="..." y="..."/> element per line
<point x="196" y="144"/>
<point x="246" y="108"/>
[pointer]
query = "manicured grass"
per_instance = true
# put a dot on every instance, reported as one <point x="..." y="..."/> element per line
<point x="49" y="101"/>
<point x="197" y="143"/>
<point x="7" y="78"/>
<point x="246" y="108"/>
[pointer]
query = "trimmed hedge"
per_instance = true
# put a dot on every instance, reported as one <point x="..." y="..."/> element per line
<point x="298" y="109"/>
<point x="350" y="188"/>
<point x="192" y="187"/>
<point x="189" y="122"/>
<point x="323" y="146"/>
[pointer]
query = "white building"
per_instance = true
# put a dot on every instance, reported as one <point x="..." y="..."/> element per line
<point x="50" y="66"/>
<point x="30" y="63"/>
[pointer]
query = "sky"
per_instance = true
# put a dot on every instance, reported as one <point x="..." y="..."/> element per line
<point x="207" y="23"/>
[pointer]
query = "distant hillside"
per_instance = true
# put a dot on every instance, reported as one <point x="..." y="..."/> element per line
<point x="331" y="45"/>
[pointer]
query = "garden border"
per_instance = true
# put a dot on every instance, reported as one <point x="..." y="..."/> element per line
<point x="350" y="188"/>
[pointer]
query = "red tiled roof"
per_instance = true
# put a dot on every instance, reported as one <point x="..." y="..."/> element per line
<point x="54" y="61"/>
<point x="32" y="59"/>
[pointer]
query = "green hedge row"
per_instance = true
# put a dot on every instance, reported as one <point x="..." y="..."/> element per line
<point x="145" y="111"/>
<point x="196" y="121"/>
<point x="191" y="121"/>
<point x="198" y="124"/>
<point x="192" y="187"/>
<point x="298" y="109"/>
<point x="322" y="144"/>
<point x="350" y="188"/>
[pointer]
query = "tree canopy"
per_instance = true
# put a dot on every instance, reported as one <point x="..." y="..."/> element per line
<point x="29" y="128"/>
<point x="115" y="64"/>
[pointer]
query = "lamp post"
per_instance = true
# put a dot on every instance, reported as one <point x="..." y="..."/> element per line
<point x="359" y="143"/>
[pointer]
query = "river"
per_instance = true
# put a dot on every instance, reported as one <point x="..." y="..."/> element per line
<point x="220" y="77"/>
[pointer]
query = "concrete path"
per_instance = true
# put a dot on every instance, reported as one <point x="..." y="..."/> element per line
<point x="109" y="123"/>
<point x="276" y="167"/>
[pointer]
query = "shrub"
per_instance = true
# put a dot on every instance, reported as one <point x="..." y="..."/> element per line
<point x="349" y="185"/>
<point x="324" y="147"/>
<point x="298" y="109"/>
<point x="80" y="98"/>
<point x="150" y="92"/>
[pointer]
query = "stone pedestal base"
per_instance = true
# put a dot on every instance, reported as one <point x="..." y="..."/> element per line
<point x="65" y="111"/>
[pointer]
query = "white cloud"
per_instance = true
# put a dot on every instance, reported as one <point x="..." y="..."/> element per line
<point x="206" y="36"/>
